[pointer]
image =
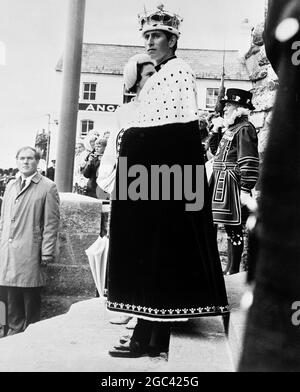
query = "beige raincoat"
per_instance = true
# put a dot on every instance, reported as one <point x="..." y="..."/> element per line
<point x="28" y="229"/>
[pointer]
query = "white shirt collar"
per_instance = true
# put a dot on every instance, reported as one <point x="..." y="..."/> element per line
<point x="28" y="179"/>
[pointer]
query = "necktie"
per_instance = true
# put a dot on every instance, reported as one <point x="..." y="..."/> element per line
<point x="23" y="184"/>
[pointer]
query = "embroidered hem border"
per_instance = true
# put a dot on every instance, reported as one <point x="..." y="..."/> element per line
<point x="168" y="313"/>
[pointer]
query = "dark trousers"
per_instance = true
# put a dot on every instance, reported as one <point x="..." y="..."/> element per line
<point x="3" y="307"/>
<point x="23" y="308"/>
<point x="151" y="334"/>
<point x="235" y="248"/>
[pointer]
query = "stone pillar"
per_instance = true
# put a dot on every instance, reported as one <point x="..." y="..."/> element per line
<point x="69" y="104"/>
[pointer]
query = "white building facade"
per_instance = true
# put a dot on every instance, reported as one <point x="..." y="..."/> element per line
<point x="101" y="86"/>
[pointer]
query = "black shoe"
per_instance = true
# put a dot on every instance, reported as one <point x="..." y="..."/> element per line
<point x="129" y="350"/>
<point x="127" y="353"/>
<point x="136" y="352"/>
<point x="133" y="350"/>
<point x="122" y="352"/>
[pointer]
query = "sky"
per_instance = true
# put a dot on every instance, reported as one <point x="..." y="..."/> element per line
<point x="32" y="38"/>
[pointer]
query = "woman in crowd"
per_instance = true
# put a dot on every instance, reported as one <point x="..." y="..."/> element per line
<point x="90" y="170"/>
<point x="79" y="181"/>
<point x="163" y="261"/>
<point x="83" y="149"/>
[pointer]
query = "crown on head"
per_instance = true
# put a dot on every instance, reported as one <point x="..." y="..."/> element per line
<point x="160" y="20"/>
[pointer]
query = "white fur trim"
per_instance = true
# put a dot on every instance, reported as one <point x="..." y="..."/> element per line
<point x="123" y="116"/>
<point x="151" y="27"/>
<point x="169" y="96"/>
<point x="130" y="69"/>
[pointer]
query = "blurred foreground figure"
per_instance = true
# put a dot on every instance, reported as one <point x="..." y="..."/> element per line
<point x="272" y="339"/>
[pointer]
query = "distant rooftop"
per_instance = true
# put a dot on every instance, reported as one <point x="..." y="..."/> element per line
<point x="206" y="63"/>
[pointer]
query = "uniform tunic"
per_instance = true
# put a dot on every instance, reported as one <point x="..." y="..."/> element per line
<point x="235" y="169"/>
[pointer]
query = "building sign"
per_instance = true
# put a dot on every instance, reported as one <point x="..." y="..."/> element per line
<point x="98" y="107"/>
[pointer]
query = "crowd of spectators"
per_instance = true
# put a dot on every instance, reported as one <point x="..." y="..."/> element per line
<point x="5" y="176"/>
<point x="88" y="155"/>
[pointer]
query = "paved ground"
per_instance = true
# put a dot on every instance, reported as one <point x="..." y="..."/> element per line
<point x="80" y="339"/>
<point x="76" y="341"/>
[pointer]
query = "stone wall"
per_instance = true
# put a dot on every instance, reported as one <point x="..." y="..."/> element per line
<point x="80" y="225"/>
<point x="265" y="83"/>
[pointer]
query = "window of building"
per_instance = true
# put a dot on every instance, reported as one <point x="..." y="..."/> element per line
<point x="211" y="97"/>
<point x="89" y="91"/>
<point x="86" y="127"/>
<point x="127" y="96"/>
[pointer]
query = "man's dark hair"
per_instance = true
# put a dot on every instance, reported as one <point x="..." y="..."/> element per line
<point x="169" y="36"/>
<point x="36" y="153"/>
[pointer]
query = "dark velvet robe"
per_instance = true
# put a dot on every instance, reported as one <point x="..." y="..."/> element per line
<point x="163" y="260"/>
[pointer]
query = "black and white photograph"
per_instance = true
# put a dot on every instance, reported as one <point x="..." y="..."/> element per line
<point x="149" y="189"/>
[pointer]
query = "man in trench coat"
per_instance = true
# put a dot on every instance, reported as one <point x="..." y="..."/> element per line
<point x="28" y="231"/>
